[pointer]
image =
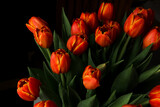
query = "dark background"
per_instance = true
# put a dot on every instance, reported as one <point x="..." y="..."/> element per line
<point x="18" y="48"/>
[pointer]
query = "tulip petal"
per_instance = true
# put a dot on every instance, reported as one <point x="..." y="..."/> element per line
<point x="155" y="102"/>
<point x="50" y="103"/>
<point x="24" y="95"/>
<point x="80" y="48"/>
<point x="31" y="28"/>
<point x="54" y="63"/>
<point x="103" y="40"/>
<point x="90" y="83"/>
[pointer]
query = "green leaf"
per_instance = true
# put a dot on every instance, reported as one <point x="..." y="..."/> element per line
<point x="55" y="40"/>
<point x="145" y="63"/>
<point x="34" y="72"/>
<point x="140" y="57"/>
<point x="63" y="95"/>
<point x="90" y="93"/>
<point x="125" y="81"/>
<point x="90" y="61"/>
<point x="73" y="96"/>
<point x="121" y="101"/>
<point x="46" y="53"/>
<point x="52" y="79"/>
<point x="137" y="99"/>
<point x="145" y="75"/>
<point x="89" y="102"/>
<point x="66" y="24"/>
<point x="110" y="99"/>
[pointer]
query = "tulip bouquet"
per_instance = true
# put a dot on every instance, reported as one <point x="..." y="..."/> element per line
<point x="95" y="63"/>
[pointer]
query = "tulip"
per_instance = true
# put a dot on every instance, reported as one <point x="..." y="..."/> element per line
<point x="153" y="36"/>
<point x="78" y="27"/>
<point x="91" y="77"/>
<point x="41" y="31"/>
<point x="28" y="88"/>
<point x="106" y="34"/>
<point x="134" y="25"/>
<point x="77" y="44"/>
<point x="91" y="20"/>
<point x="147" y="13"/>
<point x="47" y="103"/>
<point x="60" y="61"/>
<point x="105" y="12"/>
<point x="154" y="96"/>
<point x="131" y="105"/>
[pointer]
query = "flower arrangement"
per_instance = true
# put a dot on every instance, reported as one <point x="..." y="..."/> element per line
<point x="95" y="63"/>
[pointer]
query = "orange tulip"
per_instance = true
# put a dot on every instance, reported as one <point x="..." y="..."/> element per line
<point x="47" y="103"/>
<point x="79" y="27"/>
<point x="77" y="44"/>
<point x="147" y="13"/>
<point x="41" y="31"/>
<point x="28" y="88"/>
<point x="134" y="25"/>
<point x="106" y="34"/>
<point x="60" y="61"/>
<point x="131" y="105"/>
<point x="105" y="12"/>
<point x="91" y="20"/>
<point x="91" y="77"/>
<point x="154" y="96"/>
<point x="153" y="36"/>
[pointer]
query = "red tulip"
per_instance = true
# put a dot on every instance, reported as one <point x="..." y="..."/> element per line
<point x="47" y="103"/>
<point x="154" y="96"/>
<point x="60" y="61"/>
<point x="134" y="25"/>
<point x="91" y="20"/>
<point x="105" y="12"/>
<point x="147" y="13"/>
<point x="28" y="88"/>
<point x="77" y="44"/>
<point x="131" y="105"/>
<point x="79" y="27"/>
<point x="106" y="34"/>
<point x="153" y="36"/>
<point x="41" y="31"/>
<point x="91" y="77"/>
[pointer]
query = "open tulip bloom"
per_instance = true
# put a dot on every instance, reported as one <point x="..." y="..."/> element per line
<point x="95" y="65"/>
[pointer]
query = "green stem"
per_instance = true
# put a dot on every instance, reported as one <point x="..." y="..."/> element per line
<point x="145" y="102"/>
<point x="48" y="51"/>
<point x="124" y="48"/>
<point x="62" y="79"/>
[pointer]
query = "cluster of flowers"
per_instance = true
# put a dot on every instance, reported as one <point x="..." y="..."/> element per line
<point x="138" y="21"/>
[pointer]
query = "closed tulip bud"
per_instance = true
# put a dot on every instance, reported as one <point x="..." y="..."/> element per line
<point x="28" y="88"/>
<point x="91" y="77"/>
<point x="134" y="25"/>
<point x="131" y="105"/>
<point x="153" y="36"/>
<point x="105" y="12"/>
<point x="106" y="34"/>
<point x="91" y="20"/>
<point x="78" y="27"/>
<point x="154" y="96"/>
<point x="60" y="61"/>
<point x="41" y="31"/>
<point x="77" y="44"/>
<point x="47" y="103"/>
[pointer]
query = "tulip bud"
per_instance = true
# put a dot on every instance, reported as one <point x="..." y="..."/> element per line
<point x="60" y="61"/>
<point x="153" y="36"/>
<point x="28" y="88"/>
<point x="41" y="31"/>
<point x="105" y="12"/>
<point x="106" y="34"/>
<point x="77" y="44"/>
<point x="91" y="20"/>
<point x="154" y="96"/>
<point x="79" y="27"/>
<point x="47" y="103"/>
<point x="91" y="77"/>
<point x="134" y="25"/>
<point x="131" y="105"/>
